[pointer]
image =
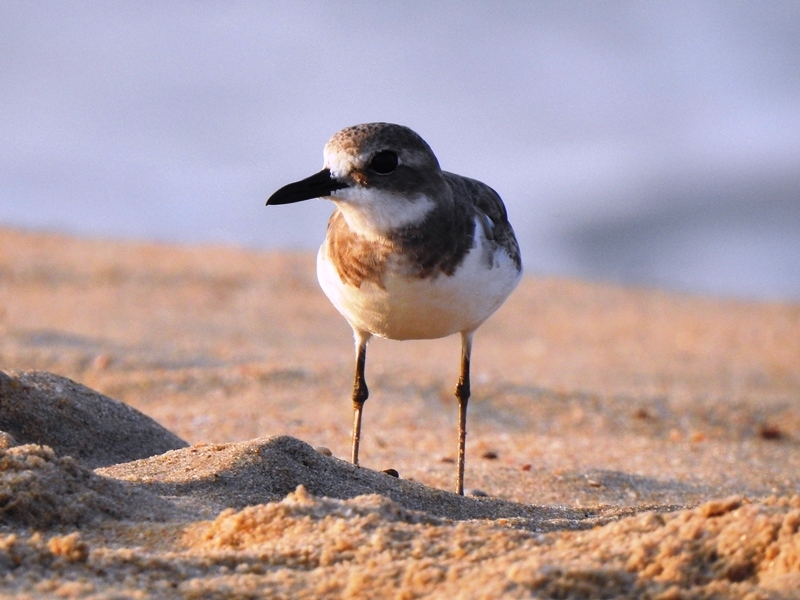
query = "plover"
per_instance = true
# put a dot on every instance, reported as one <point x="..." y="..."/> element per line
<point x="411" y="252"/>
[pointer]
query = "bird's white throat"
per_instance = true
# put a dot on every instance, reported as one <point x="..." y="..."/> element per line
<point x="374" y="213"/>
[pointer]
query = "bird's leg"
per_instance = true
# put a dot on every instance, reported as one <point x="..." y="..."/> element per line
<point x="462" y="395"/>
<point x="360" y="391"/>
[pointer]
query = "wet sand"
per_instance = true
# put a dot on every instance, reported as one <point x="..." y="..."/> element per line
<point x="622" y="442"/>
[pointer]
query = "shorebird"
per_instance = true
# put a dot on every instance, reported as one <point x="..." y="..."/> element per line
<point x="411" y="251"/>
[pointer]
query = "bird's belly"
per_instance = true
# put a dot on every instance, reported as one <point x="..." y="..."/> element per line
<point x="407" y="307"/>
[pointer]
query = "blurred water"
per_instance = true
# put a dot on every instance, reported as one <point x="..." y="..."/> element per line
<point x="653" y="143"/>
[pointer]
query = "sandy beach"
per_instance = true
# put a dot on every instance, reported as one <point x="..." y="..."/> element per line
<point x="166" y="412"/>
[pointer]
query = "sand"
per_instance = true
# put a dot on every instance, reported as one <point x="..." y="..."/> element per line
<point x="165" y="411"/>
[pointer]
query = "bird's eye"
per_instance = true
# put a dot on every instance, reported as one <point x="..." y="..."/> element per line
<point x="384" y="162"/>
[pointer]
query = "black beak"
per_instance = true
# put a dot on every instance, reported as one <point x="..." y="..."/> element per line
<point x="316" y="186"/>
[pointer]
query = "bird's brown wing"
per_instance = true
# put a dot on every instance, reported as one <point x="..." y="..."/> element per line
<point x="487" y="203"/>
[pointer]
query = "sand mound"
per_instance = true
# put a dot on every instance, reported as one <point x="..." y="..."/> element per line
<point x="43" y="408"/>
<point x="39" y="489"/>
<point x="370" y="547"/>
<point x="264" y="470"/>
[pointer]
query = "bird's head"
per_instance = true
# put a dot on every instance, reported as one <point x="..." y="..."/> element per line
<point x="380" y="175"/>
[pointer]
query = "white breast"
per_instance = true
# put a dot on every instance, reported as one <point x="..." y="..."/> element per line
<point x="407" y="307"/>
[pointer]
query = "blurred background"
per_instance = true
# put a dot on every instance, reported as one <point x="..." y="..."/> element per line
<point x="645" y="143"/>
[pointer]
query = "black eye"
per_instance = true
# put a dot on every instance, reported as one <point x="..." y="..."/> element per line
<point x="384" y="162"/>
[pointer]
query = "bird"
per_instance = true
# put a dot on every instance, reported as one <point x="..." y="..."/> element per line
<point x="411" y="251"/>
